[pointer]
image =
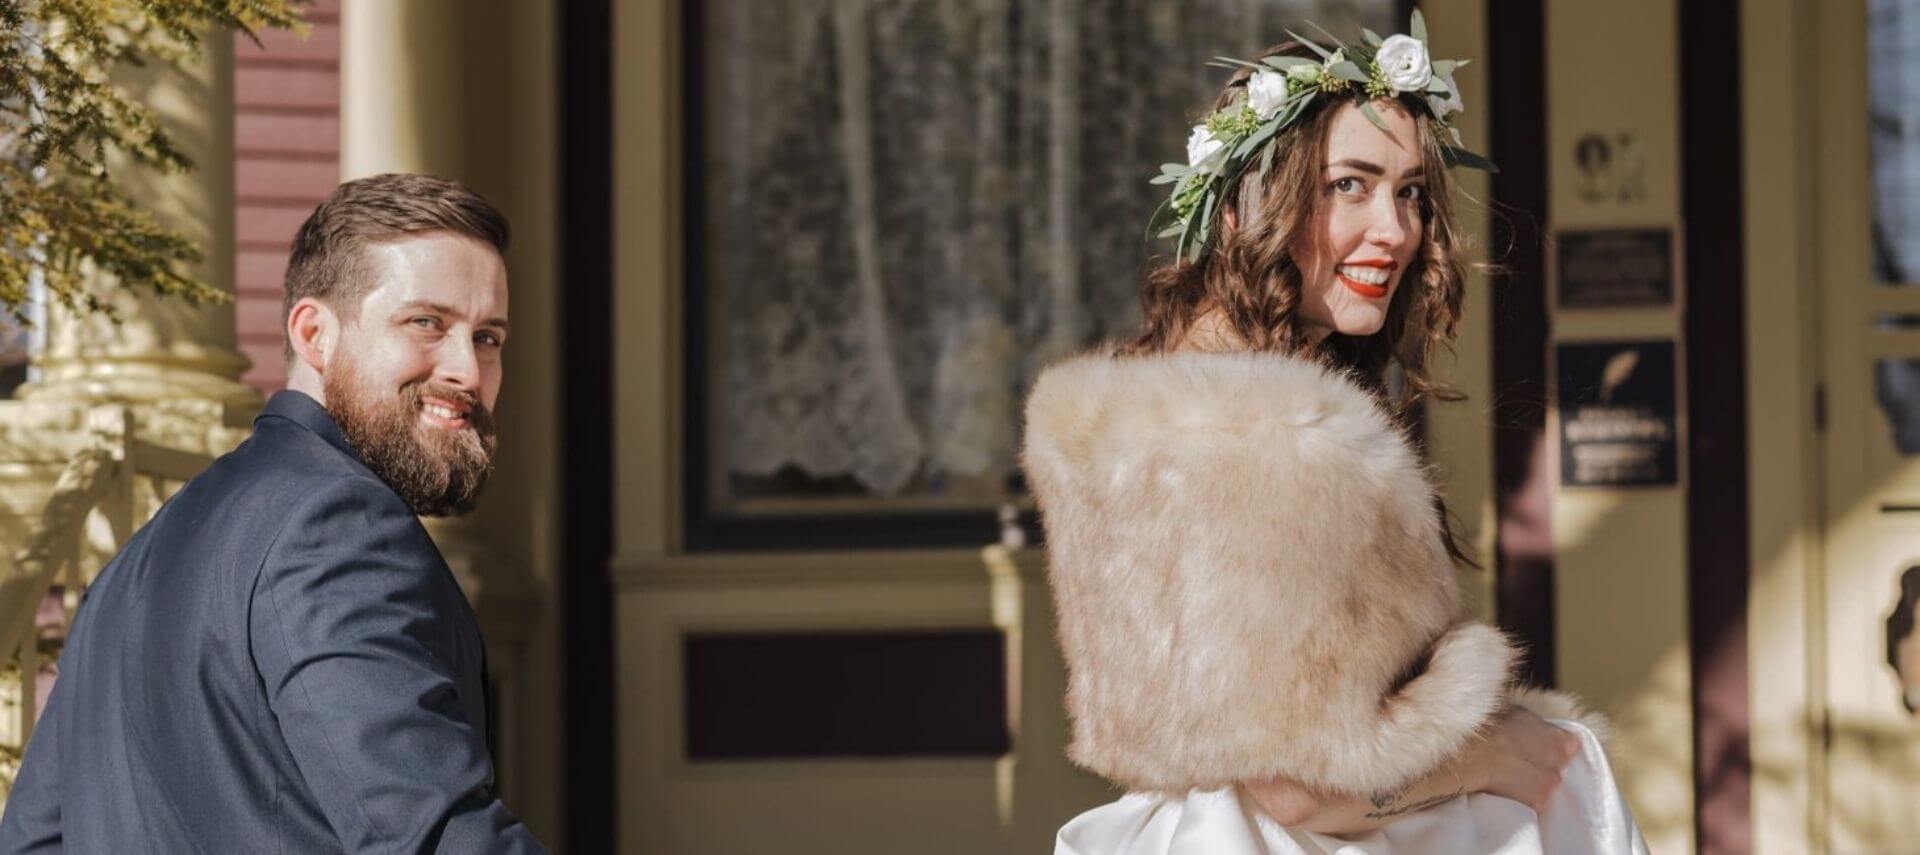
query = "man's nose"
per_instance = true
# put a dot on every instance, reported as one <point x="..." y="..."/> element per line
<point x="458" y="364"/>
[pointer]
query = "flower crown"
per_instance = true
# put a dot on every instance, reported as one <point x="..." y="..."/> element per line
<point x="1277" y="93"/>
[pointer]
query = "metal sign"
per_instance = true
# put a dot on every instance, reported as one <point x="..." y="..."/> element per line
<point x="1614" y="268"/>
<point x="1617" y="417"/>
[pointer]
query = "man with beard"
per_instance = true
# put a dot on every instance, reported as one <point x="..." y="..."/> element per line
<point x="280" y="661"/>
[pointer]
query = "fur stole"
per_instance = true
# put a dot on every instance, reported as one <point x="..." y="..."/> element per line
<point x="1250" y="578"/>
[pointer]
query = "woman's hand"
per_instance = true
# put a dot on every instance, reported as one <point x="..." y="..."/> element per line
<point x="1521" y="758"/>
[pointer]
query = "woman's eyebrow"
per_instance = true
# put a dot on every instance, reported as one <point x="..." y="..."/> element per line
<point x="1372" y="168"/>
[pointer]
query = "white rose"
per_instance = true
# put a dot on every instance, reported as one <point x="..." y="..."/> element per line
<point x="1266" y="91"/>
<point x="1204" y="150"/>
<point x="1403" y="61"/>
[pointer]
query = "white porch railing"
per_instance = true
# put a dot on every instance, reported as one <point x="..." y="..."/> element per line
<point x="75" y="482"/>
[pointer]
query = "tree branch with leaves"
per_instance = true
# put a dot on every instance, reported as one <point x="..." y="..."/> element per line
<point x="67" y="128"/>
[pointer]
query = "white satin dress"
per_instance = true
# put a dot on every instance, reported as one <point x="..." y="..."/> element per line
<point x="1586" y="817"/>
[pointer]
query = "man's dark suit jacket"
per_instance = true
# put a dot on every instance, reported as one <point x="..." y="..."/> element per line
<point x="279" y="662"/>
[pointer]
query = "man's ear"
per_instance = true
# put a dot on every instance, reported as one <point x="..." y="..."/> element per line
<point x="314" y="331"/>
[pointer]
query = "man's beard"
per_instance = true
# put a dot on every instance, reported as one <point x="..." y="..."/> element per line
<point x="437" y="472"/>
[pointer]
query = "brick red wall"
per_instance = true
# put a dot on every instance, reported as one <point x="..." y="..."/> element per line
<point x="287" y="151"/>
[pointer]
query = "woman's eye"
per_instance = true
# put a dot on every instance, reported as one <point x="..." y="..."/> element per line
<point x="1346" y="185"/>
<point x="1414" y="192"/>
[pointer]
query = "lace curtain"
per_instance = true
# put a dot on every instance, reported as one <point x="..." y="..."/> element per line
<point x="1893" y="57"/>
<point x="912" y="206"/>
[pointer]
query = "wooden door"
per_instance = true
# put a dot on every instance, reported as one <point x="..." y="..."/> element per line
<point x="1867" y="288"/>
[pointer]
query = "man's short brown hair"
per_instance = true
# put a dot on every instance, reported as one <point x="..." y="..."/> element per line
<point x="326" y="262"/>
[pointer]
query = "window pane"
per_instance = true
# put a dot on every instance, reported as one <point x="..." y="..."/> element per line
<point x="1893" y="63"/>
<point x="909" y="207"/>
<point x="1896" y="388"/>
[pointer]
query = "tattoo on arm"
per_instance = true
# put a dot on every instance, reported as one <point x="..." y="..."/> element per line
<point x="1384" y="804"/>
<point x="1383" y="799"/>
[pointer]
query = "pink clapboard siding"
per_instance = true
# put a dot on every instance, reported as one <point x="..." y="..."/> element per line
<point x="287" y="158"/>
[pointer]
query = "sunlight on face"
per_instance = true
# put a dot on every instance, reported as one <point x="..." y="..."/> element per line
<point x="419" y="368"/>
<point x="1367" y="225"/>
<point x="438" y="318"/>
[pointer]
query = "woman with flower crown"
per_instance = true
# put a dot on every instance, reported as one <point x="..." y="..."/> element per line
<point x="1255" y="580"/>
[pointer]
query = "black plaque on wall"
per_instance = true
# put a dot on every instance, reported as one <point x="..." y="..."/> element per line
<point x="1617" y="419"/>
<point x="1614" y="268"/>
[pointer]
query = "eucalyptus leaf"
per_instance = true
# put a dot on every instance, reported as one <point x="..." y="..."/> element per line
<point x="1366" y="109"/>
<point x="1323" y="52"/>
<point x="1372" y="37"/>
<point x="1186" y="229"/>
<point x="1323" y="31"/>
<point x="1418" y="29"/>
<point x="1437" y="85"/>
<point x="1162" y="213"/>
<point x="1266" y="162"/>
<point x="1254" y="139"/>
<point x="1348" y="71"/>
<point x="1454" y="133"/>
<point x="1163" y="178"/>
<point x="1230" y="62"/>
<point x="1437" y="104"/>
<point x="1457" y="156"/>
<point x="1205" y="221"/>
<point x="1170" y="231"/>
<point x="1445" y="66"/>
<point x="1286" y="63"/>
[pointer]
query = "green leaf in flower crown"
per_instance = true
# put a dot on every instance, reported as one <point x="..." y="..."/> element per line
<point x="1348" y="71"/>
<point x="1445" y="66"/>
<point x="1437" y="85"/>
<point x="1373" y="38"/>
<point x="1205" y="218"/>
<point x="1175" y="169"/>
<point x="1331" y="38"/>
<point x="1366" y="109"/>
<point x="1262" y="134"/>
<point x="1285" y="63"/>
<point x="1163" y="178"/>
<point x="1165" y="221"/>
<point x="1231" y="63"/>
<point x="1418" y="29"/>
<point x="1266" y="162"/>
<point x="1457" y="156"/>
<point x="1454" y="133"/>
<point x="1437" y="104"/>
<point x="1323" y="52"/>
<point x="1187" y="227"/>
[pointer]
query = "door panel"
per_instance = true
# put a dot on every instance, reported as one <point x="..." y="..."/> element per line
<point x="1868" y="246"/>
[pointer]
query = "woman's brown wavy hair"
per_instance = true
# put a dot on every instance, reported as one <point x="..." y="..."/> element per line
<point x="1249" y="271"/>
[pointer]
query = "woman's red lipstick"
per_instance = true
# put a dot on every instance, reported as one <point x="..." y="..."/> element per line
<point x="1366" y="290"/>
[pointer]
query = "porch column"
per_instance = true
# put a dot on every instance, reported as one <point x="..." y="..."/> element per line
<point x="163" y="348"/>
<point x="400" y="87"/>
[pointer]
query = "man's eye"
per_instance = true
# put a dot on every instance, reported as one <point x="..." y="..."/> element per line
<point x="489" y="339"/>
<point x="425" y="322"/>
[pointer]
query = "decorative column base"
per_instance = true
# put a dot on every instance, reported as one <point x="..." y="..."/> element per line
<point x="146" y="380"/>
